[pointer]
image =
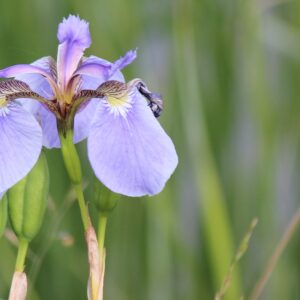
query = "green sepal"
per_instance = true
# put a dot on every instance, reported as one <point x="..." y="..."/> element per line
<point x="104" y="199"/>
<point x="27" y="201"/>
<point x="3" y="214"/>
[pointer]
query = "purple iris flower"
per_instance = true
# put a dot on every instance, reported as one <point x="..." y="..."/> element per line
<point x="128" y="149"/>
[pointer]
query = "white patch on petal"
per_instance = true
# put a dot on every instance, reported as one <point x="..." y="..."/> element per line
<point x="118" y="106"/>
<point x="4" y="111"/>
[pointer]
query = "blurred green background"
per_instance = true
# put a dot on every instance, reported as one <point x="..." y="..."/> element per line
<point x="230" y="75"/>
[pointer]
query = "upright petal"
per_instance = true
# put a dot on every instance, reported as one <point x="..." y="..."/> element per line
<point x="21" y="143"/>
<point x="128" y="149"/>
<point x="37" y="81"/>
<point x="74" y="37"/>
<point x="42" y="69"/>
<point x="102" y="70"/>
<point x="122" y="62"/>
<point x="95" y="67"/>
<point x="16" y="70"/>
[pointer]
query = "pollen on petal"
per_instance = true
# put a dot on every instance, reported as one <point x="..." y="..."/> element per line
<point x="2" y="102"/>
<point x="3" y="107"/>
<point x="118" y="97"/>
<point x="73" y="29"/>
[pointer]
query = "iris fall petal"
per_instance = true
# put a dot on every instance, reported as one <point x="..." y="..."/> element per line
<point x="21" y="143"/>
<point x="131" y="154"/>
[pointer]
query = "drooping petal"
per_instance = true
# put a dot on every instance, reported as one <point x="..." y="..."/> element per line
<point x="48" y="122"/>
<point x="41" y="86"/>
<point x="130" y="152"/>
<point x="14" y="89"/>
<point x="21" y="143"/>
<point x="85" y="115"/>
<point x="74" y="37"/>
<point x="94" y="71"/>
<point x="83" y="120"/>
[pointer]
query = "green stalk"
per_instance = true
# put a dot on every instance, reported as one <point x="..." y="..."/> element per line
<point x="105" y="201"/>
<point x="83" y="209"/>
<point x="3" y="214"/>
<point x="73" y="166"/>
<point x="22" y="251"/>
<point x="101" y="233"/>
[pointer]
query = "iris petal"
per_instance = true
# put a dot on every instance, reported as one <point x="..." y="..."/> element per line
<point x="103" y="70"/>
<point x="16" y="70"/>
<point x="48" y="122"/>
<point x="95" y="67"/>
<point x="21" y="143"/>
<point x="82" y="122"/>
<point x="41" y="70"/>
<point x="45" y="118"/>
<point x="84" y="116"/>
<point x="74" y="37"/>
<point x="37" y="81"/>
<point x="131" y="155"/>
<point x="94" y="71"/>
<point x="123" y="61"/>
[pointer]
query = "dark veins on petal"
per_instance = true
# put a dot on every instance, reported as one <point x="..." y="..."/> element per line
<point x="118" y="89"/>
<point x="12" y="89"/>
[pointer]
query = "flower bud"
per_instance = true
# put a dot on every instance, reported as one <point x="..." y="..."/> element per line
<point x="104" y="199"/>
<point x="3" y="214"/>
<point x="27" y="201"/>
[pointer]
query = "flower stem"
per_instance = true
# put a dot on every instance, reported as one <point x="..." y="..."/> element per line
<point x="22" y="251"/>
<point x="73" y="166"/>
<point x="101" y="233"/>
<point x="83" y="209"/>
